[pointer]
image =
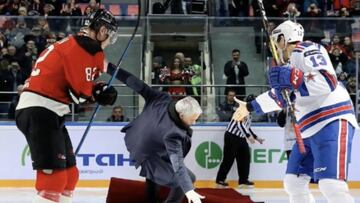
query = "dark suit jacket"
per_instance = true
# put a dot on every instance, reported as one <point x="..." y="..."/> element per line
<point x="229" y="72"/>
<point x="157" y="139"/>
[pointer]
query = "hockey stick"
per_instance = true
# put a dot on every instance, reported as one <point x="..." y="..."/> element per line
<point x="285" y="93"/>
<point x="111" y="79"/>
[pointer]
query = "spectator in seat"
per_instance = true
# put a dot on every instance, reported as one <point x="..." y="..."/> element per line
<point x="335" y="43"/>
<point x="72" y="9"/>
<point x="94" y="5"/>
<point x="36" y="7"/>
<point x="343" y="25"/>
<point x="271" y="8"/>
<point x="343" y="78"/>
<point x="3" y="41"/>
<point x="348" y="46"/>
<point x="355" y="11"/>
<point x="316" y="31"/>
<point x="339" y="59"/>
<point x="339" y="4"/>
<point x="292" y="11"/>
<point x="117" y="115"/>
<point x="350" y="67"/>
<point x="351" y="88"/>
<point x="228" y="107"/>
<point x="155" y="72"/>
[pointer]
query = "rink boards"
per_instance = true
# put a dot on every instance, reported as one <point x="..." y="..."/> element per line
<point x="104" y="155"/>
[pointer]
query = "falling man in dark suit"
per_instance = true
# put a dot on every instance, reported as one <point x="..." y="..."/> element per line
<point x="159" y="139"/>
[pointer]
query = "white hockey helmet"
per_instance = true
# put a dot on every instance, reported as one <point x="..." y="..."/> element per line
<point x="292" y="32"/>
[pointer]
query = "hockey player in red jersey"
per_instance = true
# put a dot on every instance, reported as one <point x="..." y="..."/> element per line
<point x="64" y="73"/>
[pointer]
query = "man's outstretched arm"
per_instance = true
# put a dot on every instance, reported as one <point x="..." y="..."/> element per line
<point x="134" y="83"/>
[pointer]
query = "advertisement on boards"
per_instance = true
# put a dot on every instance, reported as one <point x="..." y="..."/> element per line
<point x="104" y="154"/>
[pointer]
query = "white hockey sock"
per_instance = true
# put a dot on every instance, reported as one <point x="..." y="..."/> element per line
<point x="335" y="191"/>
<point x="297" y="188"/>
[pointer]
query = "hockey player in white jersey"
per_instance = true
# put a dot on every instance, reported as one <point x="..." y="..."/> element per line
<point x="324" y="115"/>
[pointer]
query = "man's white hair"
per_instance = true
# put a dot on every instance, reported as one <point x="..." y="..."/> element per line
<point x="188" y="106"/>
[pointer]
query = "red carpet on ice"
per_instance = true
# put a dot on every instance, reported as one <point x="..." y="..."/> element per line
<point x="130" y="191"/>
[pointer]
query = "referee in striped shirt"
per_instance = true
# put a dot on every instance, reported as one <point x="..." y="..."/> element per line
<point x="237" y="147"/>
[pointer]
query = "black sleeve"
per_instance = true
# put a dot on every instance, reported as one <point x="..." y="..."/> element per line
<point x="252" y="133"/>
<point x="281" y="118"/>
<point x="134" y="83"/>
<point x="244" y="71"/>
<point x="228" y="70"/>
<point x="174" y="149"/>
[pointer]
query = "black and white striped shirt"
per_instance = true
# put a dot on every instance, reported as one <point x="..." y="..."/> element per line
<point x="241" y="128"/>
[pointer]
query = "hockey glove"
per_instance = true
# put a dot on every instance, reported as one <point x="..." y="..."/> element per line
<point x="276" y="95"/>
<point x="284" y="77"/>
<point x="104" y="94"/>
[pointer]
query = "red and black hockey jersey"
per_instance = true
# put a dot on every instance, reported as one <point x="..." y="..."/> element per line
<point x="69" y="65"/>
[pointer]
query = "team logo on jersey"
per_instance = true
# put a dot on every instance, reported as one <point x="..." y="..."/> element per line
<point x="310" y="77"/>
<point x="296" y="77"/>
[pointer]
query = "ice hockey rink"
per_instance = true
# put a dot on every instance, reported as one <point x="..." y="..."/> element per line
<point x="98" y="195"/>
<point x="207" y="32"/>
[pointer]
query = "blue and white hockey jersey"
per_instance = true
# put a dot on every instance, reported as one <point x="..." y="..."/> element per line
<point x="320" y="99"/>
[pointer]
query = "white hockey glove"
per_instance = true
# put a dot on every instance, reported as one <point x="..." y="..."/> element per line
<point x="193" y="196"/>
<point x="241" y="112"/>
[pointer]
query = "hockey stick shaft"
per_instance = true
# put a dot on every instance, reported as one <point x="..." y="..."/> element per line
<point x="284" y="92"/>
<point x="111" y="79"/>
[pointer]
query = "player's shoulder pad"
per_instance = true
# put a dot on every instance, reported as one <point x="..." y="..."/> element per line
<point x="90" y="45"/>
<point x="307" y="48"/>
<point x="313" y="49"/>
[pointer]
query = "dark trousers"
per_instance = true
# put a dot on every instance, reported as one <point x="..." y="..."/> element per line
<point x="176" y="194"/>
<point x="235" y="148"/>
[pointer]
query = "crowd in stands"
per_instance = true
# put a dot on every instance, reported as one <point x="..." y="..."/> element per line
<point x="27" y="27"/>
<point x="280" y="8"/>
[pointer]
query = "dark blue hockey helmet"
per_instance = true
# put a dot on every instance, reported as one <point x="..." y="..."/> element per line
<point x="250" y="98"/>
<point x="101" y="17"/>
